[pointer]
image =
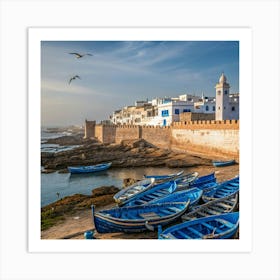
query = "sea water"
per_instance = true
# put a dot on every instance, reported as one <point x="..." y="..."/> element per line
<point x="54" y="148"/>
<point x="58" y="185"/>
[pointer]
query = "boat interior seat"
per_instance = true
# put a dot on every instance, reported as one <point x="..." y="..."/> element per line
<point x="224" y="222"/>
<point x="150" y="215"/>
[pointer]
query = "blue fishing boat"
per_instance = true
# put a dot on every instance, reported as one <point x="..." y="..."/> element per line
<point x="201" y="181"/>
<point x="168" y="176"/>
<point x="132" y="190"/>
<point x="219" y="163"/>
<point x="89" y="169"/>
<point x="138" y="218"/>
<point x="223" y="189"/>
<point x="193" y="195"/>
<point x="214" y="207"/>
<point x="222" y="226"/>
<point x="184" y="181"/>
<point x="156" y="191"/>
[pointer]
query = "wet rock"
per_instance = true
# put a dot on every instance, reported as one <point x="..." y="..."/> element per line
<point x="130" y="153"/>
<point x="129" y="181"/>
<point x="70" y="140"/>
<point x="47" y="171"/>
<point x="104" y="190"/>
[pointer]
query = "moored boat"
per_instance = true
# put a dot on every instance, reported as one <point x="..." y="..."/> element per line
<point x="223" y="189"/>
<point x="220" y="163"/>
<point x="155" y="192"/>
<point x="132" y="190"/>
<point x="186" y="180"/>
<point x="89" y="169"/>
<point x="168" y="176"/>
<point x="214" y="207"/>
<point x="203" y="180"/>
<point x="138" y="218"/>
<point x="222" y="226"/>
<point x="193" y="195"/>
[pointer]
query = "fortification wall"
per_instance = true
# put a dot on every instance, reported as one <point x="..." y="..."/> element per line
<point x="159" y="136"/>
<point x="99" y="132"/>
<point x="127" y="132"/>
<point x="90" y="129"/>
<point x="109" y="134"/>
<point x="209" y="124"/>
<point x="211" y="137"/>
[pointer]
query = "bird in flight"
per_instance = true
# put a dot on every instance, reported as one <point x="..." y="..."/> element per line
<point x="78" y="55"/>
<point x="74" y="77"/>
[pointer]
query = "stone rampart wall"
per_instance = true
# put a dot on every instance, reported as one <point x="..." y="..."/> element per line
<point x="90" y="129"/>
<point x="109" y="134"/>
<point x="210" y="124"/>
<point x="215" y="137"/>
<point x="127" y="132"/>
<point x="99" y="132"/>
<point x="158" y="136"/>
<point x="211" y="141"/>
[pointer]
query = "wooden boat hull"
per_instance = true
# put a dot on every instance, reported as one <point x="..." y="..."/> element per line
<point x="185" y="181"/>
<point x="223" y="163"/>
<point x="161" y="177"/>
<point x="193" y="195"/>
<point x="214" y="207"/>
<point x="222" y="190"/>
<point x="129" y="192"/>
<point x="222" y="226"/>
<point x="89" y="169"/>
<point x="155" y="192"/>
<point x="138" y="218"/>
<point x="199" y="182"/>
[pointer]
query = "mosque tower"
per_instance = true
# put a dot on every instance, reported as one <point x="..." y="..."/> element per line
<point x="222" y="99"/>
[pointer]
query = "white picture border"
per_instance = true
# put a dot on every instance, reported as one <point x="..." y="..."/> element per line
<point x="262" y="262"/>
<point x="243" y="35"/>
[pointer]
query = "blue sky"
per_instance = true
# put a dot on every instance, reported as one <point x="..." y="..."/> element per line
<point x="121" y="72"/>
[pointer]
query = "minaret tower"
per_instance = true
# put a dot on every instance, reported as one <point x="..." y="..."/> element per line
<point x="222" y="99"/>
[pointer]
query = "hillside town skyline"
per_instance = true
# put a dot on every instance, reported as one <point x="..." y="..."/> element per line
<point x="163" y="111"/>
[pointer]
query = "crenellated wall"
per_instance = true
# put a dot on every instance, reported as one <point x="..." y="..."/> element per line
<point x="99" y="132"/>
<point x="157" y="135"/>
<point x="210" y="124"/>
<point x="89" y="129"/>
<point x="127" y="132"/>
<point x="109" y="134"/>
<point x="212" y="137"/>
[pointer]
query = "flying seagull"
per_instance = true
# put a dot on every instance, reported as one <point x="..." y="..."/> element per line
<point x="78" y="55"/>
<point x="73" y="78"/>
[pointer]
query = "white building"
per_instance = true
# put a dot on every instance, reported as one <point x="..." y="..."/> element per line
<point x="164" y="111"/>
<point x="168" y="111"/>
<point x="142" y="113"/>
<point x="206" y="105"/>
<point x="227" y="105"/>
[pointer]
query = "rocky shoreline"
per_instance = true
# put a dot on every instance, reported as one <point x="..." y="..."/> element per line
<point x="127" y="154"/>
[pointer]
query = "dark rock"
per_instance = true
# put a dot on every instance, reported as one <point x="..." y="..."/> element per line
<point x="128" y="154"/>
<point x="46" y="171"/>
<point x="129" y="181"/>
<point x="104" y="190"/>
